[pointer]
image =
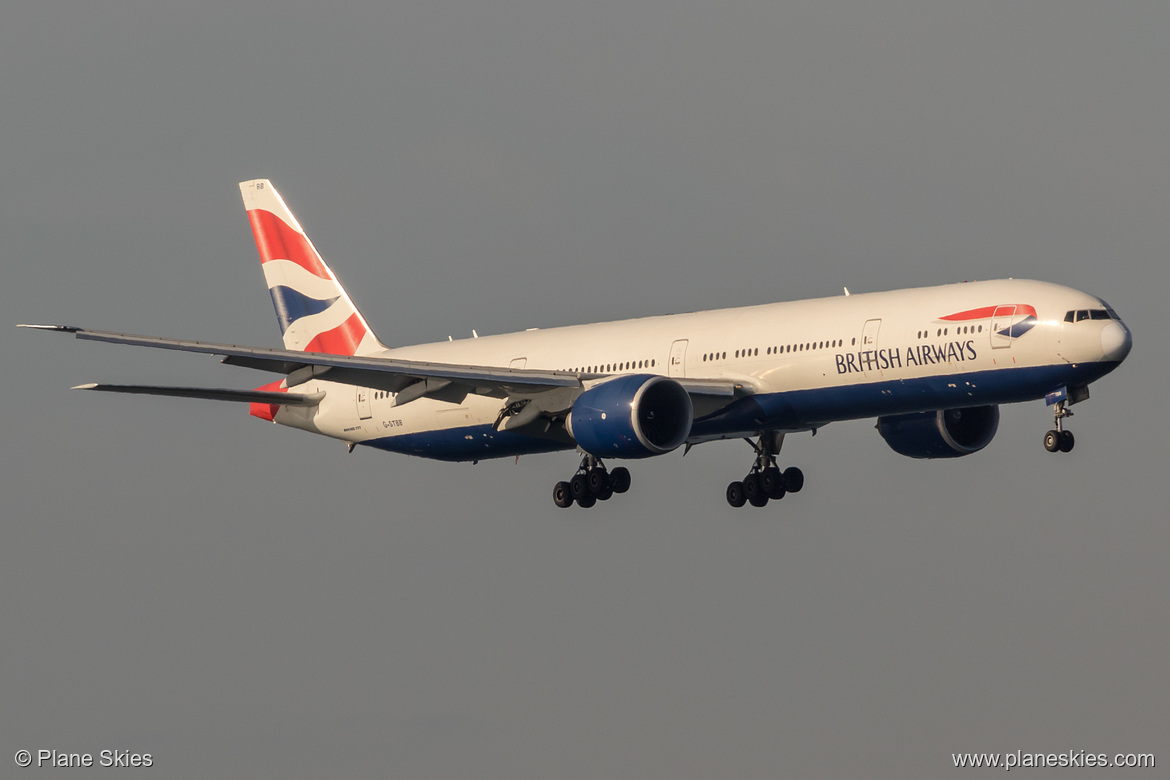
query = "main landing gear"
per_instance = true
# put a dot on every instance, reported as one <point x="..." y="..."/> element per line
<point x="1059" y="440"/>
<point x="765" y="481"/>
<point x="591" y="483"/>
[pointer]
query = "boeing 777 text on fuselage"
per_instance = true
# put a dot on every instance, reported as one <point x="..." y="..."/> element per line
<point x="932" y="364"/>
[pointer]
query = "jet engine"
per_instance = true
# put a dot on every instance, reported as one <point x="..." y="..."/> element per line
<point x="948" y="433"/>
<point x="633" y="416"/>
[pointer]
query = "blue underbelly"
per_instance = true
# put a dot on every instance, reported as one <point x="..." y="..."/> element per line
<point x="792" y="410"/>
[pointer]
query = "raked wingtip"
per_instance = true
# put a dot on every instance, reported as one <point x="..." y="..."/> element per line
<point x="61" y="328"/>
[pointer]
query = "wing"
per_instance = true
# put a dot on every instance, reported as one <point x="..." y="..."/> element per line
<point x="377" y="373"/>
<point x="408" y="378"/>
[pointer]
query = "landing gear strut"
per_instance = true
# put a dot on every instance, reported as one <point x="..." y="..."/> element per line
<point x="591" y="483"/>
<point x="1059" y="440"/>
<point x="765" y="480"/>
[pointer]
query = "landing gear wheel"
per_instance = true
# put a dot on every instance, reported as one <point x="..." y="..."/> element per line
<point x="765" y="481"/>
<point x="1067" y="440"/>
<point x="735" y="495"/>
<point x="561" y="495"/>
<point x="591" y="483"/>
<point x="752" y="488"/>
<point x="1052" y="441"/>
<point x="773" y="482"/>
<point x="578" y="488"/>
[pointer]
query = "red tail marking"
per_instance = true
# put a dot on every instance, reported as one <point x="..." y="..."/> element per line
<point x="275" y="240"/>
<point x="342" y="340"/>
<point x="267" y="411"/>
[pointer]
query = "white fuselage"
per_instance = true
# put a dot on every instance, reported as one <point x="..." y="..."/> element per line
<point x="807" y="363"/>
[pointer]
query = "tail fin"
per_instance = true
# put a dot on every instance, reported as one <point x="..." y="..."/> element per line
<point x="315" y="313"/>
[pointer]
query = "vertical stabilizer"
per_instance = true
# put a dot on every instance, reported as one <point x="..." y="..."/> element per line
<point x="315" y="313"/>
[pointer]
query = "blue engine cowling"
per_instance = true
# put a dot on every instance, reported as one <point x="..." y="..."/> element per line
<point x="948" y="433"/>
<point x="633" y="416"/>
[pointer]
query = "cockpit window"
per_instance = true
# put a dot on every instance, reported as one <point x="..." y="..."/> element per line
<point x="1090" y="314"/>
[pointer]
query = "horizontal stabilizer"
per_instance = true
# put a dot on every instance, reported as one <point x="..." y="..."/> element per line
<point x="213" y="394"/>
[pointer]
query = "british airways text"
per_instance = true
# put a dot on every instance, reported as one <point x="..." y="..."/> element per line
<point x="897" y="357"/>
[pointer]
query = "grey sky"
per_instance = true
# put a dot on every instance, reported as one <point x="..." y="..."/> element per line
<point x="242" y="600"/>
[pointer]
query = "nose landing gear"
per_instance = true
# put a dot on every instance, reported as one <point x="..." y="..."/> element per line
<point x="1060" y="440"/>
<point x="765" y="481"/>
<point x="591" y="483"/>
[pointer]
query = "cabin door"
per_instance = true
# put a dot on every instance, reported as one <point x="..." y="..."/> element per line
<point x="868" y="352"/>
<point x="678" y="357"/>
<point x="1001" y="326"/>
<point x="362" y="396"/>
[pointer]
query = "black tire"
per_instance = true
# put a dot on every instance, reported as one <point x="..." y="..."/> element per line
<point x="597" y="480"/>
<point x="587" y="500"/>
<point x="1067" y="441"/>
<point x="735" y="495"/>
<point x="578" y="488"/>
<point x="793" y="479"/>
<point x="752" y="489"/>
<point x="605" y="495"/>
<point x="619" y="479"/>
<point x="773" y="482"/>
<point x="1052" y="441"/>
<point x="561" y="495"/>
<point x="759" y="501"/>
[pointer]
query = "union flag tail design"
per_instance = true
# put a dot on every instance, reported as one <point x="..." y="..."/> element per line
<point x="315" y="313"/>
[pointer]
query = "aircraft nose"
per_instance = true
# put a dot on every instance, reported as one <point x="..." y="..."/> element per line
<point x="1116" y="341"/>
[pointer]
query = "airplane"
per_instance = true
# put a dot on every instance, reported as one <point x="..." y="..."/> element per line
<point x="932" y="364"/>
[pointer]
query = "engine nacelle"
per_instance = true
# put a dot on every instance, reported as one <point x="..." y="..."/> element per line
<point x="633" y="416"/>
<point x="948" y="433"/>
